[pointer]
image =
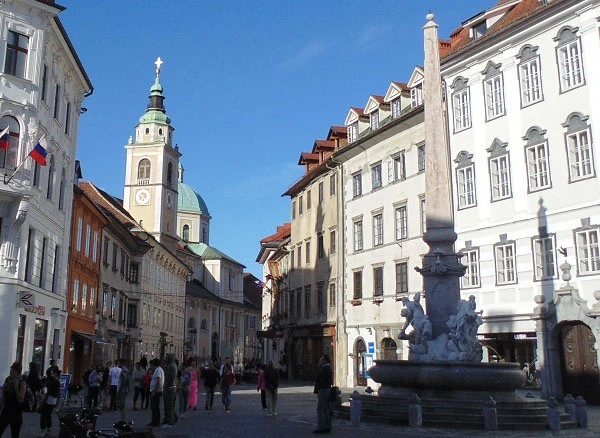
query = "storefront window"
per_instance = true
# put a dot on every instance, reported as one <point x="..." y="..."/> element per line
<point x="39" y="343"/>
<point x="20" y="338"/>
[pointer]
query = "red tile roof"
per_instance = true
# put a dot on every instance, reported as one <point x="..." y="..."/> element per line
<point x="283" y="232"/>
<point x="401" y="85"/>
<point x="324" y="144"/>
<point x="308" y="157"/>
<point x="338" y="130"/>
<point x="110" y="203"/>
<point x="378" y="98"/>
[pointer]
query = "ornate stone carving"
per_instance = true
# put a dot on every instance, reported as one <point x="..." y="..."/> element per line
<point x="11" y="246"/>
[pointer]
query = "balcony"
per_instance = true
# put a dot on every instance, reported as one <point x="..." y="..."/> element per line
<point x="143" y="181"/>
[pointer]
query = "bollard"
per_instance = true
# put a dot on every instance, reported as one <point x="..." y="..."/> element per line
<point x="490" y="416"/>
<point x="569" y="402"/>
<point x="581" y="415"/>
<point x="553" y="415"/>
<point x="355" y="409"/>
<point x="415" y="412"/>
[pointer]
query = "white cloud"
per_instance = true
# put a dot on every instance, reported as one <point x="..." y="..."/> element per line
<point x="303" y="57"/>
<point x="371" y="35"/>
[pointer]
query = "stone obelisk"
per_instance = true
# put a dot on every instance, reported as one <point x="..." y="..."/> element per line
<point x="441" y="265"/>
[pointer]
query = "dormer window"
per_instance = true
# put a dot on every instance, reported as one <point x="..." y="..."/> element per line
<point x="479" y="30"/>
<point x="374" y="120"/>
<point x="353" y="132"/>
<point x="416" y="95"/>
<point x="396" y="108"/>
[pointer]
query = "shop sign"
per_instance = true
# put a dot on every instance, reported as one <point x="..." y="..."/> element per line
<point x="371" y="347"/>
<point x="38" y="310"/>
<point x="26" y="299"/>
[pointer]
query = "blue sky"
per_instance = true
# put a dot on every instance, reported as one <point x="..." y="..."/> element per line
<point x="249" y="85"/>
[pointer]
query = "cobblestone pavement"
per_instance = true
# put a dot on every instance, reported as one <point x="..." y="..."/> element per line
<point x="296" y="418"/>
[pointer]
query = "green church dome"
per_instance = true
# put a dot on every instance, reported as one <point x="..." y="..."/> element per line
<point x="190" y="200"/>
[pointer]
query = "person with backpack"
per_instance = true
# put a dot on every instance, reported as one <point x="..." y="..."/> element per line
<point x="50" y="401"/>
<point x="122" y="389"/>
<point x="185" y="378"/>
<point x="271" y="386"/>
<point x="34" y="384"/>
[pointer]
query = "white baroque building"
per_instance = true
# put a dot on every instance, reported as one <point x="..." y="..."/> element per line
<point x="42" y="87"/>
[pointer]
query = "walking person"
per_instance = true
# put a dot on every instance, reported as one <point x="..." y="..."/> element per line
<point x="271" y="386"/>
<point x="210" y="382"/>
<point x="146" y="393"/>
<point x="34" y="384"/>
<point x="122" y="389"/>
<point x="139" y="386"/>
<point x="323" y="383"/>
<point x="156" y="390"/>
<point x="114" y="374"/>
<point x="227" y="381"/>
<point x="170" y="392"/>
<point x="194" y="379"/>
<point x="13" y="393"/>
<point x="105" y="385"/>
<point x="94" y="381"/>
<point x="49" y="401"/>
<point x="183" y="391"/>
<point x="260" y="386"/>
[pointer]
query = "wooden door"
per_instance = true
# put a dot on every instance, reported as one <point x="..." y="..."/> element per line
<point x="579" y="363"/>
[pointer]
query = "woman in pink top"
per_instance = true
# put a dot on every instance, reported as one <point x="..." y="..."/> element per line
<point x="261" y="386"/>
<point x="193" y="398"/>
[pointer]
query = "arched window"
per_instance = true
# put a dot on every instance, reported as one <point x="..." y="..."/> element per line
<point x="191" y="323"/>
<point x="169" y="173"/>
<point x="51" y="175"/>
<point x="388" y="345"/>
<point x="9" y="144"/>
<point x="186" y="233"/>
<point x="144" y="168"/>
<point x="204" y="325"/>
<point x="61" y="194"/>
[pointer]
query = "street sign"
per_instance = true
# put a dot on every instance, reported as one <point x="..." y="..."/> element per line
<point x="26" y="299"/>
<point x="371" y="347"/>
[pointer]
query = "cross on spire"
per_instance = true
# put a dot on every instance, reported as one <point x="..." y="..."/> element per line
<point x="158" y="63"/>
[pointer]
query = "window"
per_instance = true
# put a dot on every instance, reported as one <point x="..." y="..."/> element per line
<point x="16" y="54"/>
<point x="530" y="79"/>
<point x="544" y="257"/>
<point x="293" y="209"/>
<point x="357" y="184"/>
<point x="88" y="236"/>
<point x="133" y="273"/>
<point x="423" y="207"/>
<point x="29" y="256"/>
<point x="37" y="169"/>
<point x="505" y="263"/>
<point x="292" y="259"/>
<point x="68" y="118"/>
<point x="307" y="253"/>
<point x="332" y="294"/>
<point x="376" y="176"/>
<point x="570" y="67"/>
<point x="57" y="102"/>
<point x="51" y="176"/>
<point x="92" y="301"/>
<point x="308" y="199"/>
<point x="95" y="246"/>
<point x="79" y="233"/>
<point x="105" y="250"/>
<point x="396" y="107"/>
<point x="144" y="168"/>
<point x="321" y="192"/>
<point x="122" y="270"/>
<point x="9" y="146"/>
<point x="471" y="261"/>
<point x="397" y="168"/>
<point x="358" y="236"/>
<point x="378" y="229"/>
<point x="84" y="288"/>
<point x="353" y="132"/>
<point x="320" y="297"/>
<point x="579" y="148"/>
<point x="186" y="233"/>
<point x="461" y="104"/>
<point x="43" y="262"/>
<point x="299" y="302"/>
<point x="357" y="276"/>
<point x="75" y="296"/>
<point x="401" y="278"/>
<point x="499" y="171"/>
<point x="421" y="158"/>
<point x="374" y="120"/>
<point x="416" y="95"/>
<point x="332" y="242"/>
<point x="61" y="192"/>
<point x="378" y="281"/>
<point x="320" y="246"/>
<point x="131" y="315"/>
<point x="104" y="303"/>
<point x="301" y="205"/>
<point x="231" y="282"/>
<point x="401" y="220"/>
<point x="44" y="84"/>
<point x="169" y="174"/>
<point x="114" y="257"/>
<point x="465" y="180"/>
<point x="113" y="306"/>
<point x="332" y="185"/>
<point x="536" y="152"/>
<point x="588" y="256"/>
<point x="21" y="338"/>
<point x="299" y="255"/>
<point x="307" y="301"/>
<point x="493" y="91"/>
<point x="55" y="268"/>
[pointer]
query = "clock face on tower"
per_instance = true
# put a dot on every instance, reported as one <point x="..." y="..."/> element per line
<point x="142" y="196"/>
<point x="170" y="200"/>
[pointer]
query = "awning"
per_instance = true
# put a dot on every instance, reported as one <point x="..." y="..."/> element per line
<point x="91" y="337"/>
<point x="269" y="334"/>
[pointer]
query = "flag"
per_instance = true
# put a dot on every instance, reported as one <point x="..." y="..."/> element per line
<point x="38" y="153"/>
<point x="4" y="136"/>
<point x="260" y="283"/>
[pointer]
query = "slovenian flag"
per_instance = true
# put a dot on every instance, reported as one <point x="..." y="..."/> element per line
<point x="4" y="136"/>
<point x="38" y="153"/>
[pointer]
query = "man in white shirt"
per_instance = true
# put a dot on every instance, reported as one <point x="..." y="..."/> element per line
<point x="156" y="390"/>
<point x="114" y="374"/>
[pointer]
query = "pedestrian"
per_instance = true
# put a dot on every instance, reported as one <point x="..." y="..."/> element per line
<point x="139" y="386"/>
<point x="170" y="392"/>
<point x="156" y="390"/>
<point x="122" y="388"/>
<point x="271" y="386"/>
<point x="94" y="380"/>
<point x="86" y="385"/>
<point x="193" y="398"/>
<point x="184" y="388"/>
<point x="34" y="384"/>
<point x="49" y="369"/>
<point x="260" y="386"/>
<point x="323" y="383"/>
<point x="49" y="401"/>
<point x="210" y="382"/>
<point x="227" y="381"/>
<point x="105" y="385"/>
<point x="13" y="393"/>
<point x="146" y="393"/>
<point x="114" y="374"/>
<point x="144" y="362"/>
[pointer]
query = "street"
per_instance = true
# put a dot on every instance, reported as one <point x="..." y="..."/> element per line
<point x="296" y="418"/>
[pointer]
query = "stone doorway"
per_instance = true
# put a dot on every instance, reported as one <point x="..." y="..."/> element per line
<point x="360" y="349"/>
<point x="579" y="362"/>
